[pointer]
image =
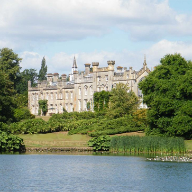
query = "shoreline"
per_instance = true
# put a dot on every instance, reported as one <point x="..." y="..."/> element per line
<point x="87" y="149"/>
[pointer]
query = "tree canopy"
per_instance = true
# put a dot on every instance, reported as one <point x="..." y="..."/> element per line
<point x="7" y="104"/>
<point x="122" y="101"/>
<point x="43" y="70"/>
<point x="25" y="76"/>
<point x="168" y="94"/>
<point x="10" y="64"/>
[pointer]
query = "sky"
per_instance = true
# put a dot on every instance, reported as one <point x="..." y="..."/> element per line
<point x="95" y="31"/>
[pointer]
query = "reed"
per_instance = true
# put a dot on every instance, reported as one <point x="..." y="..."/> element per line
<point x="148" y="144"/>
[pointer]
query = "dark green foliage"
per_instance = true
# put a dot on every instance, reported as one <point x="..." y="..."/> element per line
<point x="9" y="142"/>
<point x="101" y="143"/>
<point x="22" y="113"/>
<point x="168" y="94"/>
<point x="43" y="70"/>
<point x="43" y="107"/>
<point x="101" y="100"/>
<point x="7" y="104"/>
<point x="25" y="76"/>
<point x="97" y="127"/>
<point x="9" y="64"/>
<point x="30" y="126"/>
<point x="150" y="144"/>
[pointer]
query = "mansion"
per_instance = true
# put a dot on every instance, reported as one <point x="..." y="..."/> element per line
<point x="74" y="94"/>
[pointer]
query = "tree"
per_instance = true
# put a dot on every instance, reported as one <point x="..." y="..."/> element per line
<point x="25" y="76"/>
<point x="43" y="70"/>
<point x="7" y="104"/>
<point x="122" y="101"/>
<point x="9" y="64"/>
<point x="168" y="94"/>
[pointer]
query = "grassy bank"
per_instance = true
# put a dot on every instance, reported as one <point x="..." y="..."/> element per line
<point x="62" y="139"/>
<point x="57" y="139"/>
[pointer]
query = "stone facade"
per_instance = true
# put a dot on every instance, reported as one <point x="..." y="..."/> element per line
<point x="74" y="94"/>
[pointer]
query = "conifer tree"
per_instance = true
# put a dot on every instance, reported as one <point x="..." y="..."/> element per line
<point x="43" y="70"/>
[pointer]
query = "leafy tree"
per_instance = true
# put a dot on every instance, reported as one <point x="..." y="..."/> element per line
<point x="7" y="104"/>
<point x="122" y="101"/>
<point x="25" y="76"/>
<point x="9" y="64"/>
<point x="168" y="94"/>
<point x="43" y="70"/>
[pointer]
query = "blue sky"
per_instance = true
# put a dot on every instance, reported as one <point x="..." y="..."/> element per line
<point x="120" y="30"/>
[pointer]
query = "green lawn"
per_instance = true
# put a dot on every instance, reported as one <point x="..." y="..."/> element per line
<point x="59" y="139"/>
<point x="62" y="139"/>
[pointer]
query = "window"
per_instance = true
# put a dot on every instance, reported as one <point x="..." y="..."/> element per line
<point x="66" y="106"/>
<point x="41" y="96"/>
<point x="106" y="77"/>
<point x="85" y="104"/>
<point x="71" y="105"/>
<point x="47" y="96"/>
<point x="67" y="95"/>
<point x="79" y="91"/>
<point x="71" y="95"/>
<point x="79" y="105"/>
<point x="55" y="95"/>
<point x="99" y="78"/>
<point x="85" y="90"/>
<point x="61" y="95"/>
<point x="91" y="90"/>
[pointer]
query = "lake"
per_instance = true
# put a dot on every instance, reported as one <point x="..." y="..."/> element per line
<point x="92" y="173"/>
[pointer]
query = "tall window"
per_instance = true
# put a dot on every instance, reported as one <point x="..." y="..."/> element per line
<point x="47" y="96"/>
<point x="85" y="90"/>
<point x="71" y="95"/>
<point x="67" y="95"/>
<point x="85" y="104"/>
<point x="61" y="95"/>
<point x="79" y="105"/>
<point x="106" y="77"/>
<point x="51" y="95"/>
<point x="91" y="90"/>
<point x="79" y="90"/>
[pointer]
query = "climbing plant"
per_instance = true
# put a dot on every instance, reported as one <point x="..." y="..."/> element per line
<point x="101" y="100"/>
<point x="43" y="107"/>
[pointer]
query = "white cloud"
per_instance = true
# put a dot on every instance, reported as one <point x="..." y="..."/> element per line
<point x="164" y="47"/>
<point x="22" y="21"/>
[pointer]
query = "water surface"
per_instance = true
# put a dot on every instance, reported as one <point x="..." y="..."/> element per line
<point x="88" y="173"/>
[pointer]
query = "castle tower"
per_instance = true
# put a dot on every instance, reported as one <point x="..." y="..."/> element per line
<point x="74" y="69"/>
<point x="145" y="63"/>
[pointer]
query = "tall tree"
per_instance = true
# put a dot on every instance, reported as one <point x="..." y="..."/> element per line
<point x="43" y="70"/>
<point x="122" y="101"/>
<point x="7" y="104"/>
<point x="25" y="76"/>
<point x="168" y="94"/>
<point x="9" y="64"/>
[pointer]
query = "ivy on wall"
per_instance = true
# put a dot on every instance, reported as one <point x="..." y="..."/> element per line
<point x="43" y="107"/>
<point x="101" y="100"/>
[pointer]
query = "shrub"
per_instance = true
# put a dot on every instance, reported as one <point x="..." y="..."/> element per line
<point x="22" y="113"/>
<point x="9" y="142"/>
<point x="101" y="143"/>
